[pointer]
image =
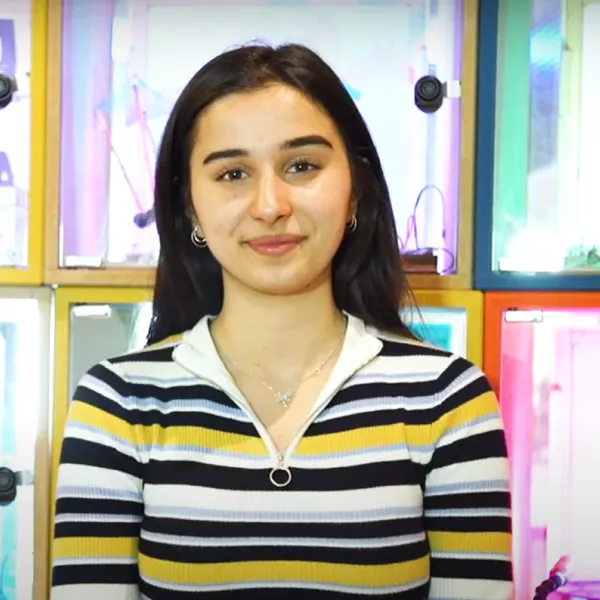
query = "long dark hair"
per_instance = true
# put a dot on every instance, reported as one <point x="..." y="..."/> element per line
<point x="368" y="278"/>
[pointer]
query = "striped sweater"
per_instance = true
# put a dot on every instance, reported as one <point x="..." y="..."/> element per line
<point x="398" y="481"/>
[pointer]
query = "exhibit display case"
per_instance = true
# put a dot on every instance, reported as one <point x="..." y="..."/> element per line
<point x="106" y="123"/>
<point x="450" y="319"/>
<point x="542" y="352"/>
<point x="538" y="212"/>
<point x="24" y="442"/>
<point x="22" y="131"/>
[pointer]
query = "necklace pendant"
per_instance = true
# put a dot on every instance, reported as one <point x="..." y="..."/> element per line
<point x="283" y="398"/>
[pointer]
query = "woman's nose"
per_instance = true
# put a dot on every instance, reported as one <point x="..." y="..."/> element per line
<point x="270" y="199"/>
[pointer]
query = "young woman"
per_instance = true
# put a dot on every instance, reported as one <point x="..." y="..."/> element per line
<point x="296" y="441"/>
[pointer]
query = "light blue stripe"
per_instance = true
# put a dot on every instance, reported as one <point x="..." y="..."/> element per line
<point x="472" y="555"/>
<point x="470" y="512"/>
<point x="199" y="405"/>
<point x="287" y="584"/>
<point x="76" y="426"/>
<point x="93" y="492"/>
<point x="339" y="515"/>
<point x="400" y="446"/>
<point x="206" y="451"/>
<point x="396" y="376"/>
<point x="386" y="403"/>
<point x="301" y="542"/>
<point x="468" y="424"/>
<point x="490" y="485"/>
<point x="164" y="380"/>
<point x="159" y="449"/>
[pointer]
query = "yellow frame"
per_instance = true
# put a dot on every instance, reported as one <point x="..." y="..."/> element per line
<point x="141" y="277"/>
<point x="33" y="273"/>
<point x="472" y="302"/>
<point x="42" y="462"/>
<point x="64" y="299"/>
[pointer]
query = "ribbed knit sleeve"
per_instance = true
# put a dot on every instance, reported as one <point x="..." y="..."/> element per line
<point x="467" y="500"/>
<point x="99" y="502"/>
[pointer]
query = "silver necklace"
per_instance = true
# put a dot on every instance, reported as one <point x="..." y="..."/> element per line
<point x="285" y="398"/>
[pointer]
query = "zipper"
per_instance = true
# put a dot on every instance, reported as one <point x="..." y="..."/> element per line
<point x="284" y="457"/>
<point x="280" y="475"/>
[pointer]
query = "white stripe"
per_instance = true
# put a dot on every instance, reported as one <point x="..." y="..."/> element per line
<point x="469" y="589"/>
<point x="95" y="591"/>
<point x="210" y="499"/>
<point x="487" y="469"/>
<point x="89" y="477"/>
<point x="304" y="542"/>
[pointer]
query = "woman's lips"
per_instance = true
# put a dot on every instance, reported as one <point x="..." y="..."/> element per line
<point x="275" y="245"/>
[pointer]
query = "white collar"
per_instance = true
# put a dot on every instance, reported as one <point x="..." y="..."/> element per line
<point x="197" y="353"/>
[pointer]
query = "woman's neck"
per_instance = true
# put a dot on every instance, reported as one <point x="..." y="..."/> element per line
<point x="260" y="331"/>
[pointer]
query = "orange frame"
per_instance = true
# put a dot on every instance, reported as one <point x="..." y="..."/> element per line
<point x="519" y="443"/>
<point x="495" y="303"/>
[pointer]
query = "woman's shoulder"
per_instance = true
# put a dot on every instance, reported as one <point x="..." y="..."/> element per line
<point x="424" y="361"/>
<point x="148" y="367"/>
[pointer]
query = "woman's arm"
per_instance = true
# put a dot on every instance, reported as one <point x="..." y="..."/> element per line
<point x="467" y="499"/>
<point x="99" y="504"/>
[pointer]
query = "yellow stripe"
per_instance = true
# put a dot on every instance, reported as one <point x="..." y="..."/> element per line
<point x="482" y="406"/>
<point x="364" y="438"/>
<point x="342" y="574"/>
<point x="94" y="547"/>
<point x="469" y="542"/>
<point x="388" y="435"/>
<point x="219" y="441"/>
<point x="145" y="435"/>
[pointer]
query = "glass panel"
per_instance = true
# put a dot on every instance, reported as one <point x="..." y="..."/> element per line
<point x="101" y="331"/>
<point x="445" y="328"/>
<point x="130" y="69"/>
<point x="15" y="65"/>
<point x="551" y="407"/>
<point x="20" y="324"/>
<point x="546" y="210"/>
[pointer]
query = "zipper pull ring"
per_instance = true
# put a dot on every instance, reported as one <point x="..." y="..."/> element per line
<point x="280" y="476"/>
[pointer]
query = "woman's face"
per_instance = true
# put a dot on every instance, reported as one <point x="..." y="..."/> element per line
<point x="271" y="189"/>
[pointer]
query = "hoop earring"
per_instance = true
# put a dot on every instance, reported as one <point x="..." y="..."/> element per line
<point x="197" y="239"/>
<point x="353" y="224"/>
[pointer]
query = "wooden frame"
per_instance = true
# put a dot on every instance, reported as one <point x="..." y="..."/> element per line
<point x="42" y="447"/>
<point x="472" y="302"/>
<point x="65" y="298"/>
<point x="33" y="273"/>
<point x="141" y="277"/>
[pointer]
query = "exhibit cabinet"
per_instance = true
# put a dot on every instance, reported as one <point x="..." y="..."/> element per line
<point x="117" y="68"/>
<point x="25" y="325"/>
<point x="23" y="27"/>
<point x="538" y="215"/>
<point x="542" y="354"/>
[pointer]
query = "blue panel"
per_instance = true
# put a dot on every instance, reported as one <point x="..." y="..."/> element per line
<point x="485" y="142"/>
<point x="484" y="277"/>
<point x="438" y="334"/>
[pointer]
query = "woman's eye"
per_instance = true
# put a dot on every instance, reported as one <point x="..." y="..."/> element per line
<point x="302" y="166"/>
<point x="233" y="175"/>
